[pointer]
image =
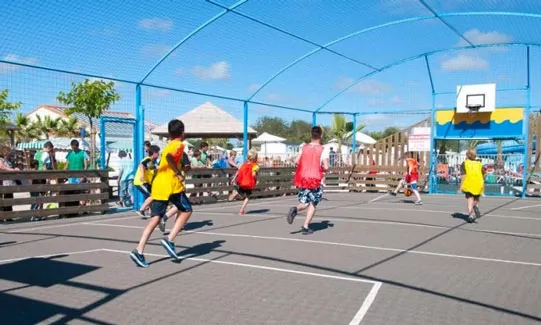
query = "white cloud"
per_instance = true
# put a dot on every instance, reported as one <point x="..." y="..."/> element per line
<point x="156" y="49"/>
<point x="156" y="24"/>
<point x="479" y="38"/>
<point x="6" y="67"/>
<point x="253" y="87"/>
<point x="365" y="87"/>
<point x="217" y="71"/>
<point x="464" y="62"/>
<point x="159" y="93"/>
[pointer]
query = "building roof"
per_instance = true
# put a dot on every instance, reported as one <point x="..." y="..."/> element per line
<point x="111" y="129"/>
<point x="209" y="121"/>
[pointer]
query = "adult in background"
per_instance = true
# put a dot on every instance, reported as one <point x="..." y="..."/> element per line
<point x="125" y="179"/>
<point x="76" y="159"/>
<point x="6" y="164"/>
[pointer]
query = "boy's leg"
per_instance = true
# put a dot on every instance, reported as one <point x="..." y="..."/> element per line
<point x="314" y="197"/>
<point x="158" y="210"/>
<point x="470" y="201"/>
<point x="415" y="191"/>
<point x="181" y="202"/>
<point x="475" y="206"/>
<point x="244" y="204"/>
<point x="293" y="211"/>
<point x="398" y="187"/>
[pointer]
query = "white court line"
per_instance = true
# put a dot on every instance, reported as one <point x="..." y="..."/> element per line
<point x="238" y="204"/>
<point x="50" y="255"/>
<point x="399" y="250"/>
<point x="67" y="224"/>
<point x="391" y="223"/>
<point x="356" y="319"/>
<point x="526" y="207"/>
<point x="391" y="209"/>
<point x="378" y="198"/>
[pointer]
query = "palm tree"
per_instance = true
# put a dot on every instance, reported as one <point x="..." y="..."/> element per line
<point x="342" y="130"/>
<point x="69" y="128"/>
<point x="27" y="130"/>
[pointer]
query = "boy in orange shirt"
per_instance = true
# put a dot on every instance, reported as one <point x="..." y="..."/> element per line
<point x="411" y="178"/>
<point x="167" y="187"/>
<point x="246" y="179"/>
<point x="308" y="178"/>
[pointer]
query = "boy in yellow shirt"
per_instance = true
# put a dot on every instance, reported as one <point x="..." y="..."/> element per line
<point x="472" y="183"/>
<point x="167" y="187"/>
<point x="144" y="176"/>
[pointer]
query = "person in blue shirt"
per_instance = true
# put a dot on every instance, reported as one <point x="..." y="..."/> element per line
<point x="125" y="179"/>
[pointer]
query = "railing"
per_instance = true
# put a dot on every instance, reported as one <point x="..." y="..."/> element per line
<point x="48" y="194"/>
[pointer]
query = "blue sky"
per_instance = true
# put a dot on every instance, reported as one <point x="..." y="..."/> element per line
<point x="235" y="56"/>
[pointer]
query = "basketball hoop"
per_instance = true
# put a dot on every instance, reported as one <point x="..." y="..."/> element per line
<point x="474" y="108"/>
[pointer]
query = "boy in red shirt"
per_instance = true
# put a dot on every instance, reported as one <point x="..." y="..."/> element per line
<point x="308" y="178"/>
<point x="246" y="179"/>
<point x="411" y="178"/>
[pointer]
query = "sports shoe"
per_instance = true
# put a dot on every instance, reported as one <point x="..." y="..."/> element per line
<point x="477" y="212"/>
<point x="419" y="202"/>
<point x="291" y="215"/>
<point x="169" y="248"/>
<point x="141" y="213"/>
<point x="138" y="258"/>
<point x="306" y="231"/>
<point x="161" y="225"/>
<point x="471" y="218"/>
<point x="392" y="193"/>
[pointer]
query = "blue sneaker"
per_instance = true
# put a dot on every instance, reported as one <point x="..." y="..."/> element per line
<point x="139" y="259"/>
<point x="169" y="247"/>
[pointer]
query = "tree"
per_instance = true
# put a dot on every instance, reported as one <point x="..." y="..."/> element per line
<point x="6" y="107"/>
<point x="90" y="98"/>
<point x="26" y="129"/>
<point x="341" y="131"/>
<point x="377" y="135"/>
<point x="69" y="128"/>
<point x="273" y="125"/>
<point x="299" y="131"/>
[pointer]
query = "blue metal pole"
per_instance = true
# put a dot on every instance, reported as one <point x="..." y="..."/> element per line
<point x="526" y="126"/>
<point x="432" y="179"/>
<point x="102" y="143"/>
<point x="245" y="131"/>
<point x="314" y="119"/>
<point x="354" y="139"/>
<point x="138" y="140"/>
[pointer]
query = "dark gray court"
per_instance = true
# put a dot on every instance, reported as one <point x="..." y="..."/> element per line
<point x="384" y="262"/>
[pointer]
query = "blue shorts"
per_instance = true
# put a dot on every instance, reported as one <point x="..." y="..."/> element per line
<point x="179" y="200"/>
<point x="310" y="196"/>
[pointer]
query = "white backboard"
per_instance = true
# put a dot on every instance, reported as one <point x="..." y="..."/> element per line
<point x="476" y="95"/>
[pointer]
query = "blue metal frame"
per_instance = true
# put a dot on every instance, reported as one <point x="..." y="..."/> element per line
<point x="139" y="140"/>
<point x="192" y="34"/>
<point x="245" y="132"/>
<point x="432" y="167"/>
<point x="354" y="140"/>
<point x="526" y="126"/>
<point x="314" y="119"/>
<point x="123" y="120"/>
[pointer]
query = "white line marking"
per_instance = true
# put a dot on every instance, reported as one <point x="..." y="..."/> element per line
<point x="11" y="231"/>
<point x="526" y="207"/>
<point x="50" y="255"/>
<point x="390" y="209"/>
<point x="356" y="319"/>
<point x="378" y="198"/>
<point x="399" y="250"/>
<point x="238" y="204"/>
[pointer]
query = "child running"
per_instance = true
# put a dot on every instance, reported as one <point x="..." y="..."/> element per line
<point x="246" y="179"/>
<point x="308" y="178"/>
<point x="167" y="187"/>
<point x="472" y="183"/>
<point x="144" y="176"/>
<point x="411" y="178"/>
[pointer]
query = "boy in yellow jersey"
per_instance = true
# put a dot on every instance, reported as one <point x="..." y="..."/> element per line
<point x="472" y="183"/>
<point x="144" y="176"/>
<point x="167" y="187"/>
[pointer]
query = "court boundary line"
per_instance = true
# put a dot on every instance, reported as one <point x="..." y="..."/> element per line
<point x="356" y="320"/>
<point x="331" y="243"/>
<point x="526" y="207"/>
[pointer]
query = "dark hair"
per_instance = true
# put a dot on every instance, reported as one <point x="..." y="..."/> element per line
<point x="34" y="163"/>
<point x="175" y="128"/>
<point x="147" y="143"/>
<point x="74" y="143"/>
<point x="203" y="145"/>
<point x="48" y="144"/>
<point x="316" y="132"/>
<point x="153" y="149"/>
<point x="196" y="152"/>
<point x="122" y="154"/>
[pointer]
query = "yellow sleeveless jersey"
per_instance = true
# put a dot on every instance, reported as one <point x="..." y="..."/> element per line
<point x="473" y="180"/>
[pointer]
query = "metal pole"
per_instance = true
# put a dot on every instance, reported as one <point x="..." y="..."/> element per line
<point x="314" y="119"/>
<point x="432" y="179"/>
<point x="245" y="131"/>
<point x="138" y="140"/>
<point x="354" y="140"/>
<point x="526" y="127"/>
<point x="102" y="143"/>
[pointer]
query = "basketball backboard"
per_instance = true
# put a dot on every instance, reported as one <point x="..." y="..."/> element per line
<point x="476" y="98"/>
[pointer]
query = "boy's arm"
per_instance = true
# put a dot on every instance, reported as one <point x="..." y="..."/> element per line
<point x="186" y="164"/>
<point x="141" y="171"/>
<point x="325" y="164"/>
<point x="171" y="161"/>
<point x="462" y="176"/>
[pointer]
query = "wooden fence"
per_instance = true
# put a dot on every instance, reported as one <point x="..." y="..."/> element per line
<point x="49" y="190"/>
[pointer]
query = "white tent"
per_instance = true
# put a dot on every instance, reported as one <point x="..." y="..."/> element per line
<point x="267" y="138"/>
<point x="361" y="138"/>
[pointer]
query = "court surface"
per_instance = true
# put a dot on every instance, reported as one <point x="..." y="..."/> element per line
<point x="382" y="262"/>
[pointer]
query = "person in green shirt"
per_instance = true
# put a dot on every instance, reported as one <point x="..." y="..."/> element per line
<point x="76" y="159"/>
